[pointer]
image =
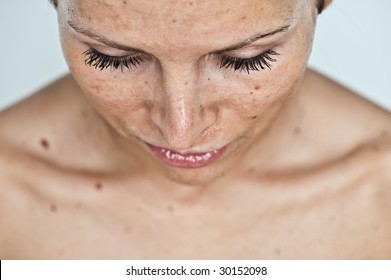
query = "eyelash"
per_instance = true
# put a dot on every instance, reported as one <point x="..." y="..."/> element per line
<point x="102" y="61"/>
<point x="256" y="63"/>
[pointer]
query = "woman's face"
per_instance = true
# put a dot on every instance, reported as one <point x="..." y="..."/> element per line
<point x="192" y="84"/>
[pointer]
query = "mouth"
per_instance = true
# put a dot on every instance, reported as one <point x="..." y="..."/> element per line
<point x="188" y="160"/>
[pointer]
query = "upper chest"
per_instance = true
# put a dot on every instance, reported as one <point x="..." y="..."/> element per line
<point x="338" y="222"/>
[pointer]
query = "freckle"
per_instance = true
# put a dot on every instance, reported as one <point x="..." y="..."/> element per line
<point x="375" y="148"/>
<point x="251" y="92"/>
<point x="127" y="229"/>
<point x="297" y="131"/>
<point x="191" y="3"/>
<point x="53" y="208"/>
<point x="78" y="205"/>
<point x="267" y="96"/>
<point x="200" y="105"/>
<point x="277" y="251"/>
<point x="124" y="2"/>
<point x="98" y="186"/>
<point x="186" y="82"/>
<point x="45" y="144"/>
<point x="257" y="87"/>
<point x="173" y="21"/>
<point x="254" y="117"/>
<point x="170" y="209"/>
<point x="146" y="82"/>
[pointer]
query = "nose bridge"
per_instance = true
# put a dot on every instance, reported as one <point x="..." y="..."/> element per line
<point x="182" y="121"/>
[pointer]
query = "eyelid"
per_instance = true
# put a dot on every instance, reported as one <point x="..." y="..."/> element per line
<point x="103" y="61"/>
<point x="261" y="61"/>
<point x="107" y="50"/>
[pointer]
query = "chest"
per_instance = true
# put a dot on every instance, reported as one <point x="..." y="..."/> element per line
<point x="339" y="225"/>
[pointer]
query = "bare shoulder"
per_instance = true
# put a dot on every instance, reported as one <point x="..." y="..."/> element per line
<point x="346" y="108"/>
<point x="46" y="112"/>
<point x="341" y="121"/>
<point x="350" y="121"/>
<point x="52" y="125"/>
<point x="363" y="129"/>
<point x="27" y="131"/>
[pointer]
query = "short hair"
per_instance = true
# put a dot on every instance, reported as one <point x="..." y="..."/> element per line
<point x="321" y="4"/>
<point x="54" y="2"/>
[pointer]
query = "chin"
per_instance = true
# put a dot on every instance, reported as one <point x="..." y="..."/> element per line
<point x="195" y="177"/>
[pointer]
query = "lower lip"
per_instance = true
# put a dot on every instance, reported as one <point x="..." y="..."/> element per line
<point x="195" y="160"/>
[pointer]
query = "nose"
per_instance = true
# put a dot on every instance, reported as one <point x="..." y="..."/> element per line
<point x="181" y="114"/>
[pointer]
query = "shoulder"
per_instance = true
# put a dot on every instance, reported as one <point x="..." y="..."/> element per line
<point x="26" y="130"/>
<point x="360" y="128"/>
<point x="28" y="121"/>
<point x="341" y="121"/>
<point x="46" y="126"/>
<point x="355" y="131"/>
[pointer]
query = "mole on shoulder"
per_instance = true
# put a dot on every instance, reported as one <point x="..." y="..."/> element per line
<point x="277" y="251"/>
<point x="170" y="209"/>
<point x="98" y="186"/>
<point x="45" y="143"/>
<point x="375" y="148"/>
<point x="53" y="208"/>
<point x="251" y="170"/>
<point x="297" y="131"/>
<point x="127" y="229"/>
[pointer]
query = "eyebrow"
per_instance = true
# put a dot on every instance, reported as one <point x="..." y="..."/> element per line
<point x="254" y="38"/>
<point x="110" y="43"/>
<point x="100" y="38"/>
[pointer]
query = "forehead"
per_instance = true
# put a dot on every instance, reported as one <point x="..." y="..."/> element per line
<point x="200" y="20"/>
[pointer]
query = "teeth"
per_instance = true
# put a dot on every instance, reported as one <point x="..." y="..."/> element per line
<point x="171" y="155"/>
<point x="168" y="154"/>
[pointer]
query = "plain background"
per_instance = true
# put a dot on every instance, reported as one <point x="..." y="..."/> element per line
<point x="352" y="45"/>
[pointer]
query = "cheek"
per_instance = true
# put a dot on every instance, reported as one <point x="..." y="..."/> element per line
<point x="108" y="90"/>
<point x="274" y="87"/>
<point x="122" y="99"/>
<point x="257" y="98"/>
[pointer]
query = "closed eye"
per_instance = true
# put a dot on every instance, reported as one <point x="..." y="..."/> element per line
<point x="102" y="61"/>
<point x="256" y="63"/>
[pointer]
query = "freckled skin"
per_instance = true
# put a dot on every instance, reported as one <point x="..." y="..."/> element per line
<point x="304" y="175"/>
<point x="165" y="112"/>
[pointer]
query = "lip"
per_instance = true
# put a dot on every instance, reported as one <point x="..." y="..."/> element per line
<point x="188" y="160"/>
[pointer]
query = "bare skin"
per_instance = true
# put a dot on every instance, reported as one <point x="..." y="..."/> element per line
<point x="313" y="184"/>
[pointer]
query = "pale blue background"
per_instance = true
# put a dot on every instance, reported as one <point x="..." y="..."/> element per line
<point x="352" y="45"/>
